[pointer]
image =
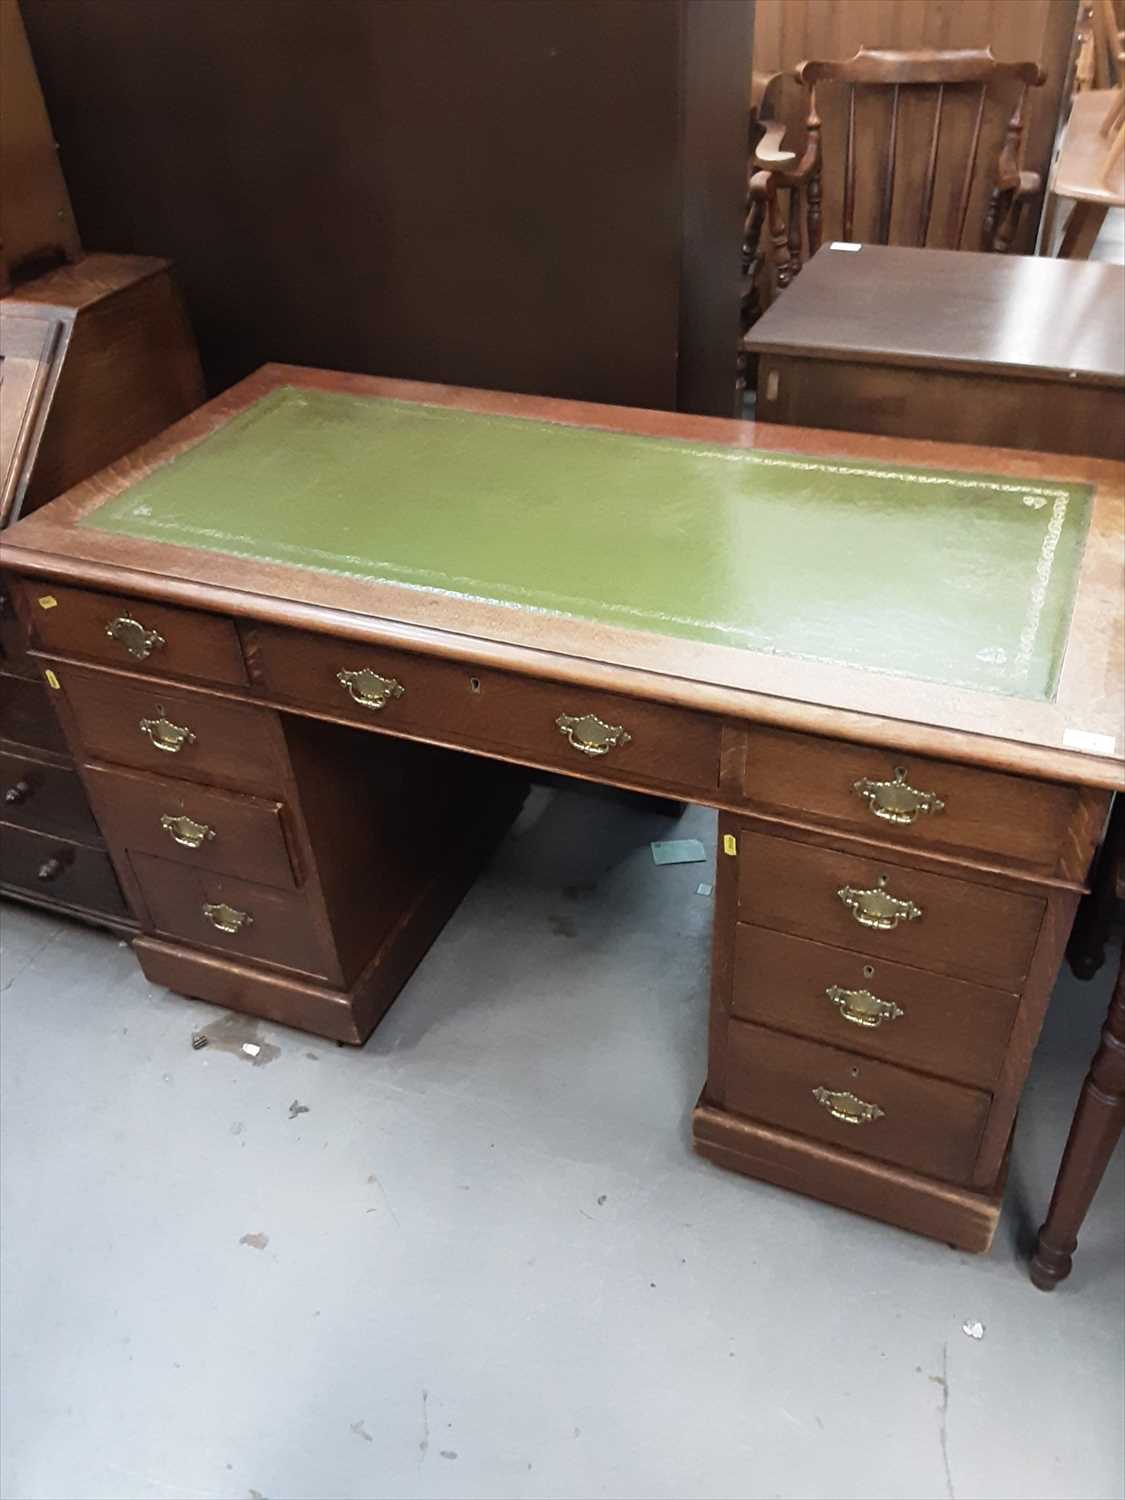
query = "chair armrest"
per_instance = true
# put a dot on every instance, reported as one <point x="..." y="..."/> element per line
<point x="1029" y="184"/>
<point x="769" y="151"/>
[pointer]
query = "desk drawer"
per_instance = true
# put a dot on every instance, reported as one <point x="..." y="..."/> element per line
<point x="39" y="795"/>
<point x="133" y="633"/>
<point x="272" y="926"/>
<point x="970" y="812"/>
<point x="494" y="711"/>
<point x="26" y="714"/>
<point x="932" y="1126"/>
<point x="200" y="827"/>
<point x="880" y="1009"/>
<point x="977" y="932"/>
<point x="209" y="739"/>
<point x="57" y="869"/>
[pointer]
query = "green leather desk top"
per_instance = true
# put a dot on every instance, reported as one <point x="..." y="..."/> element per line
<point x="963" y="579"/>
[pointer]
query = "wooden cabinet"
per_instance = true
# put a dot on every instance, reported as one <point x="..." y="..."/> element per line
<point x="98" y="357"/>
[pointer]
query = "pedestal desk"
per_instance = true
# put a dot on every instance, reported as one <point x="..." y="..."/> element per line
<point x="895" y="668"/>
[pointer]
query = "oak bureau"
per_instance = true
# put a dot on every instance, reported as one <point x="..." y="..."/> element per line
<point x="894" y="668"/>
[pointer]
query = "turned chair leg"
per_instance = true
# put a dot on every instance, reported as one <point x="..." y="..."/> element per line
<point x="1097" y="1125"/>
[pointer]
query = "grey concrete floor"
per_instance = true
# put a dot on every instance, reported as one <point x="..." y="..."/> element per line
<point x="478" y="1258"/>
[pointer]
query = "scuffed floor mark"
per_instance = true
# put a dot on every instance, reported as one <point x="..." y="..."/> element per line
<point x="448" y="1453"/>
<point x="424" y="1440"/>
<point x="361" y="1431"/>
<point x="562" y="926"/>
<point x="31" y="958"/>
<point x="383" y="1194"/>
<point x="257" y="1241"/>
<point x="297" y="1108"/>
<point x="256" y="1495"/>
<point x="942" y="1380"/>
<point x="232" y="1031"/>
<point x="237" y="1127"/>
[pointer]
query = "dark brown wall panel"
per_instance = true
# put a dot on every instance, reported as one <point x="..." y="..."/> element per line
<point x="485" y="192"/>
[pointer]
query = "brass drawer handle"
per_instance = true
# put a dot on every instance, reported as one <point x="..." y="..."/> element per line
<point x="896" y="801"/>
<point x="167" y="736"/>
<point x="186" y="831"/>
<point x="843" y="1105"/>
<point x="225" y="917"/>
<point x="591" y="735"/>
<point x="370" y="690"/>
<point x="131" y="634"/>
<point x="876" y="908"/>
<point x="861" y="1007"/>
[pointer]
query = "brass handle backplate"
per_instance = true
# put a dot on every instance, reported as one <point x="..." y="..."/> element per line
<point x="591" y="735"/>
<point x="876" y="908"/>
<point x="861" y="1007"/>
<point x="167" y="736"/>
<point x="186" y="831"/>
<point x="896" y="801"/>
<point x="226" y="918"/>
<point x="131" y="634"/>
<point x="370" y="690"/>
<point x="844" y="1105"/>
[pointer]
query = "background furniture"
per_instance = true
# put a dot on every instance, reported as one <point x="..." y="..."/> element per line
<point x="535" y="197"/>
<point x="37" y="228"/>
<point x="786" y="32"/>
<point x="901" y="857"/>
<point x="1010" y="351"/>
<point x="891" y="192"/>
<point x="1097" y="1126"/>
<point x="1084" y="176"/>
<point x="97" y="357"/>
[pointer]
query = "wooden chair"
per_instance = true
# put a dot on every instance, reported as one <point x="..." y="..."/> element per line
<point x="904" y="202"/>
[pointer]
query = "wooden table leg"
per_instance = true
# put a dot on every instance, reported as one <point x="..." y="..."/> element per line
<point x="1097" y="1125"/>
<point x="1081" y="230"/>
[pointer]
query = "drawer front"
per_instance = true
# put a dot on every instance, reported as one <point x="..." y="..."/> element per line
<point x="59" y="870"/>
<point x="908" y="800"/>
<point x="907" y="1016"/>
<point x="26" y="714"/>
<point x="124" y="632"/>
<point x="38" y="795"/>
<point x="200" y="827"/>
<point x="208" y="739"/>
<point x="855" y="1102"/>
<point x="272" y="926"/>
<point x="973" y="931"/>
<point x="494" y="711"/>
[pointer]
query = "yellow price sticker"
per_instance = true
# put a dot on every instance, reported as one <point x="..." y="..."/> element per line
<point x="730" y="844"/>
<point x="52" y="680"/>
<point x="48" y="601"/>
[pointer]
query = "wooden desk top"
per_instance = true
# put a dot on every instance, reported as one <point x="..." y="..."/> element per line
<point x="943" y="599"/>
<point x="1079" y="169"/>
<point x="1022" y="315"/>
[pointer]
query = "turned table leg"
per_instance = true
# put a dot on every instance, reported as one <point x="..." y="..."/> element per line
<point x="1093" y="1135"/>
